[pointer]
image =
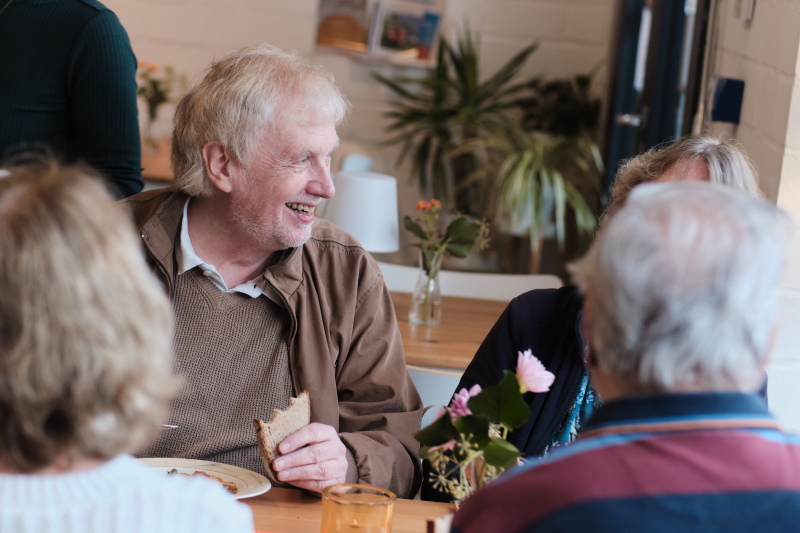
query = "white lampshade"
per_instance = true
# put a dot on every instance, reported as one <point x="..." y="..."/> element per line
<point x="365" y="206"/>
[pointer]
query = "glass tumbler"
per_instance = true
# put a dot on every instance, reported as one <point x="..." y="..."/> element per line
<point x="356" y="508"/>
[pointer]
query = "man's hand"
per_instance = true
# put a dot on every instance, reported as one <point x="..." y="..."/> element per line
<point x="313" y="458"/>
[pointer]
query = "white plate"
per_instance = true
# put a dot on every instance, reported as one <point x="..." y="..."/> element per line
<point x="248" y="483"/>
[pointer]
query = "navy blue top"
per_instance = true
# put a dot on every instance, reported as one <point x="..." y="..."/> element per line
<point x="69" y="87"/>
<point x="715" y="462"/>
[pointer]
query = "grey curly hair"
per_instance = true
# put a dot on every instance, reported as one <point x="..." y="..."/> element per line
<point x="727" y="165"/>
<point x="85" y="328"/>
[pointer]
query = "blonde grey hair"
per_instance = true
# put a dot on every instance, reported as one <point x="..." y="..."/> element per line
<point x="685" y="280"/>
<point x="85" y="329"/>
<point x="239" y="96"/>
<point x="727" y="165"/>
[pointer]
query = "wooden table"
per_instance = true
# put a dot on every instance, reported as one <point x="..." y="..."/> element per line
<point x="451" y="344"/>
<point x="296" y="511"/>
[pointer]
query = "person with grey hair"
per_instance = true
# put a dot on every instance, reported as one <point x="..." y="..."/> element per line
<point x="85" y="352"/>
<point x="269" y="300"/>
<point x="681" y="293"/>
<point x="548" y="321"/>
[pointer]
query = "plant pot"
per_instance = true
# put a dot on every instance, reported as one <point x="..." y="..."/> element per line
<point x="426" y="302"/>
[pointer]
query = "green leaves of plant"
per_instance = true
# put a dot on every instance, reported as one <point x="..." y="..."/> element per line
<point x="414" y="228"/>
<point x="502" y="403"/>
<point x="500" y="453"/>
<point x="462" y="231"/>
<point x="460" y="236"/>
<point x="474" y="427"/>
<point x="451" y="104"/>
<point x="440" y="431"/>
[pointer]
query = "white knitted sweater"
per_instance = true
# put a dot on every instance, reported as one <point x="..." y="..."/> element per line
<point x="120" y="496"/>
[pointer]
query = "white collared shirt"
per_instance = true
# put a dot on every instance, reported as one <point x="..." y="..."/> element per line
<point x="188" y="259"/>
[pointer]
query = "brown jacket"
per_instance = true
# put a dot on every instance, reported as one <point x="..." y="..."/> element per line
<point x="344" y="346"/>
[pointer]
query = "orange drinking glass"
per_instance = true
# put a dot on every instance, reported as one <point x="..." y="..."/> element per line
<point x="357" y="509"/>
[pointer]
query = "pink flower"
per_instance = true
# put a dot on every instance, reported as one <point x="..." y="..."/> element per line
<point x="458" y="407"/>
<point x="531" y="374"/>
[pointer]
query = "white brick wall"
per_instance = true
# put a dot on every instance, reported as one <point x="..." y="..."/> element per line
<point x="764" y="53"/>
<point x="573" y="34"/>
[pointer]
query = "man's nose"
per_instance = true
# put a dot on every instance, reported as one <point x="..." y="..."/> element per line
<point x="322" y="184"/>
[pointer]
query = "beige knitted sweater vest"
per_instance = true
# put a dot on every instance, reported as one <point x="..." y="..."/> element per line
<point x="231" y="350"/>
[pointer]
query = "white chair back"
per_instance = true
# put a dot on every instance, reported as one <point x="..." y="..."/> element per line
<point x="435" y="387"/>
<point x="504" y="287"/>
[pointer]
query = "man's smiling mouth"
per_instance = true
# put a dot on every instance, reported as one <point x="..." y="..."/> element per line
<point x="304" y="209"/>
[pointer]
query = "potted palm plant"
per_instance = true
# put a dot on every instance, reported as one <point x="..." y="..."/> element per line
<point x="533" y="186"/>
<point x="433" y="115"/>
<point x="546" y="166"/>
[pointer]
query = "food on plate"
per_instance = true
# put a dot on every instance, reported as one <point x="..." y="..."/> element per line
<point x="230" y="485"/>
<point x="281" y="424"/>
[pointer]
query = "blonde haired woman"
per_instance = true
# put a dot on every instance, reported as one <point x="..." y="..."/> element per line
<point x="85" y="337"/>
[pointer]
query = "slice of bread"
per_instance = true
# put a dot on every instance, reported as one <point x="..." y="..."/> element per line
<point x="281" y="424"/>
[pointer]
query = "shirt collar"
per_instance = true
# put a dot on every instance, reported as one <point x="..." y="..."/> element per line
<point x="674" y="412"/>
<point x="188" y="260"/>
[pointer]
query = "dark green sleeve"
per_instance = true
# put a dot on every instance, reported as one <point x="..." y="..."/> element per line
<point x="102" y="102"/>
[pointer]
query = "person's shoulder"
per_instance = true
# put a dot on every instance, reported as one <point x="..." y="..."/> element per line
<point x="331" y="243"/>
<point x="340" y="252"/>
<point x="325" y="233"/>
<point x="145" y="205"/>
<point x="97" y="20"/>
<point x="81" y="11"/>
<point x="92" y="7"/>
<point x="547" y="305"/>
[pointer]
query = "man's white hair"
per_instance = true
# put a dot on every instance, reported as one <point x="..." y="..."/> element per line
<point x="684" y="280"/>
<point x="239" y="96"/>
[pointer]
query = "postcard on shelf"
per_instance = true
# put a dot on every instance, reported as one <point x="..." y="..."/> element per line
<point x="342" y="24"/>
<point x="405" y="29"/>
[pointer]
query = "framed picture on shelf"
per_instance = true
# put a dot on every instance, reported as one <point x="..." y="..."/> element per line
<point x="405" y="29"/>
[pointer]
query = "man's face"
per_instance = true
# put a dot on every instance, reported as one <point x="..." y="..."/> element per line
<point x="273" y="198"/>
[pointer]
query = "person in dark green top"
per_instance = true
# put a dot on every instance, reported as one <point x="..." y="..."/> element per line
<point x="69" y="87"/>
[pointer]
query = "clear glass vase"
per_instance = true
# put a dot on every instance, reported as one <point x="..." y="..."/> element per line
<point x="426" y="302"/>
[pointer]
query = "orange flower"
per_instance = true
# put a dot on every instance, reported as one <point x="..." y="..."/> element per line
<point x="436" y="203"/>
<point x="152" y="67"/>
<point x="422" y="205"/>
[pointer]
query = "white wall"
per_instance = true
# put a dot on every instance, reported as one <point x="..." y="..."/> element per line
<point x="187" y="34"/>
<point x="764" y="53"/>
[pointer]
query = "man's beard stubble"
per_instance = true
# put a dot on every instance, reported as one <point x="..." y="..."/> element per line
<point x="245" y="215"/>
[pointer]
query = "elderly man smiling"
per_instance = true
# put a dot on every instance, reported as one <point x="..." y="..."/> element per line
<point x="681" y="290"/>
<point x="270" y="301"/>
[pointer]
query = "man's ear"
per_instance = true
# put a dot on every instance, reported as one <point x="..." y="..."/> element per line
<point x="218" y="166"/>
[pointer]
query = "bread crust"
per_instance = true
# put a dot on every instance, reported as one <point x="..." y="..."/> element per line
<point x="281" y="424"/>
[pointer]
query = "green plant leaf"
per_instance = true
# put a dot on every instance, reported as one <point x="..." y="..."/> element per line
<point x="500" y="453"/>
<point x="560" y="200"/>
<point x="475" y="428"/>
<point x="439" y="432"/>
<point x="502" y="403"/>
<point x="507" y="71"/>
<point x="414" y="228"/>
<point x="462" y="231"/>
<point x="459" y="250"/>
